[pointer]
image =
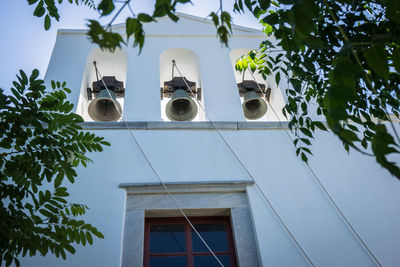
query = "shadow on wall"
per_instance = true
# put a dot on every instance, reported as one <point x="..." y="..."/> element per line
<point x="108" y="64"/>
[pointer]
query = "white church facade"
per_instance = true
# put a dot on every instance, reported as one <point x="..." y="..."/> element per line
<point x="236" y="181"/>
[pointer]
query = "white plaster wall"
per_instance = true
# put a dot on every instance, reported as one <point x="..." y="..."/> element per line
<point x="366" y="193"/>
<point x="68" y="62"/>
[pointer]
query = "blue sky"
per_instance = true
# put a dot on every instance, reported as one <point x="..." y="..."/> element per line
<point x="26" y="45"/>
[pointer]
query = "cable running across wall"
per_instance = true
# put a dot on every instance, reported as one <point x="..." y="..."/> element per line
<point x="247" y="172"/>
<point x="158" y="176"/>
<point x="349" y="225"/>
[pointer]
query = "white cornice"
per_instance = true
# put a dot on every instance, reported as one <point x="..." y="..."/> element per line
<point x="248" y="32"/>
<point x="185" y="125"/>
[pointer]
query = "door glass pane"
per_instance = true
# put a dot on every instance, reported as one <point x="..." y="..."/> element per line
<point x="210" y="261"/>
<point x="166" y="238"/>
<point x="213" y="233"/>
<point x="174" y="261"/>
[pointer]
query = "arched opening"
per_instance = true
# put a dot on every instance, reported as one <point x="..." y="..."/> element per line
<point x="177" y="101"/>
<point x="108" y="65"/>
<point x="251" y="102"/>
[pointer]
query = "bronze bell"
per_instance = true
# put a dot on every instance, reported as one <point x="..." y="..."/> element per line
<point x="105" y="107"/>
<point x="254" y="107"/>
<point x="181" y="107"/>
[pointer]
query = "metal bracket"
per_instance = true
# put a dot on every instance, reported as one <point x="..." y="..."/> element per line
<point x="249" y="85"/>
<point x="89" y="93"/>
<point x="179" y="83"/>
<point x="112" y="84"/>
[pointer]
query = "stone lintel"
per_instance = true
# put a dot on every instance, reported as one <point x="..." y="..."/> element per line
<point x="187" y="187"/>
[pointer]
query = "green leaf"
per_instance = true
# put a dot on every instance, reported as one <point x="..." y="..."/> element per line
<point x="271" y="19"/>
<point x="348" y="136"/>
<point x="45" y="212"/>
<point x="306" y="132"/>
<point x="132" y="25"/>
<point x="89" y="238"/>
<point x="306" y="141"/>
<point x="377" y="60"/>
<point x="320" y="125"/>
<point x="34" y="75"/>
<point x="396" y="58"/>
<point x="227" y="20"/>
<point x="277" y="78"/>
<point x="264" y="4"/>
<point x="61" y="193"/>
<point x="253" y="66"/>
<point x="268" y="29"/>
<point x="249" y="4"/>
<point x="302" y="14"/>
<point x="24" y="77"/>
<point x="97" y="233"/>
<point x="57" y="251"/>
<point x="62" y="252"/>
<point x="214" y="18"/>
<point x="47" y="22"/>
<point x="392" y="11"/>
<point x="59" y="179"/>
<point x="223" y="35"/>
<point x="314" y="42"/>
<point x="382" y="145"/>
<point x="39" y="10"/>
<point x="304" y="157"/>
<point x="145" y="18"/>
<point x="105" y="39"/>
<point x="16" y="261"/>
<point x="69" y="248"/>
<point x="51" y="208"/>
<point x="83" y="238"/>
<point x="106" y="7"/>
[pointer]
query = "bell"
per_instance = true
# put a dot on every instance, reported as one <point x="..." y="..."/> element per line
<point x="181" y="107"/>
<point x="105" y="107"/>
<point x="254" y="107"/>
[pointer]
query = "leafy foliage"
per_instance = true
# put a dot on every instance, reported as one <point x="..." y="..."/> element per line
<point x="41" y="143"/>
<point x="133" y="25"/>
<point x="223" y="23"/>
<point x="344" y="57"/>
<point x="49" y="10"/>
<point x="103" y="35"/>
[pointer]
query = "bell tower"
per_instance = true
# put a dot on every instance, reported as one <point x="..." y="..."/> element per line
<point x="200" y="149"/>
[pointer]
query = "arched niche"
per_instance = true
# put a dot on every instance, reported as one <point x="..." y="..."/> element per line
<point x="188" y="64"/>
<point x="277" y="101"/>
<point x="108" y="64"/>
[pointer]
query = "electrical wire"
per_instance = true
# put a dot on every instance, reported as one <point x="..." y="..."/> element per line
<point x="247" y="172"/>
<point x="157" y="175"/>
<point x="325" y="190"/>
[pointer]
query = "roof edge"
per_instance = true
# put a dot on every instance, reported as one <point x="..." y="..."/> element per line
<point x="179" y="14"/>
